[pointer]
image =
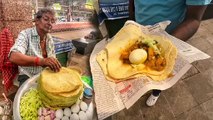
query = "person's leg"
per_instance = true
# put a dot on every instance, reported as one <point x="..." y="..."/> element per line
<point x="156" y="92"/>
<point x="22" y="79"/>
<point x="153" y="98"/>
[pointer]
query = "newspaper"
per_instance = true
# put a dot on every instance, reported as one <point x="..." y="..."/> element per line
<point x="107" y="98"/>
<point x="112" y="97"/>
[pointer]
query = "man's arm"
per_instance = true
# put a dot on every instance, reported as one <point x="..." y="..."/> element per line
<point x="25" y="60"/>
<point x="21" y="59"/>
<point x="191" y="23"/>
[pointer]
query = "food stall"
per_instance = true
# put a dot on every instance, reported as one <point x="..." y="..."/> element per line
<point x="29" y="105"/>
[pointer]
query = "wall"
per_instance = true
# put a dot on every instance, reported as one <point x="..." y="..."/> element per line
<point x="15" y="15"/>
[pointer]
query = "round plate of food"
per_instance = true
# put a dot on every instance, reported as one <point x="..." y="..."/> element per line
<point x="52" y="96"/>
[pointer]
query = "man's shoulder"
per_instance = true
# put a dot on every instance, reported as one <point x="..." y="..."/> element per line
<point x="27" y="31"/>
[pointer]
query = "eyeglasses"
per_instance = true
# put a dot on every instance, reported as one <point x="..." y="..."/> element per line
<point x="46" y="19"/>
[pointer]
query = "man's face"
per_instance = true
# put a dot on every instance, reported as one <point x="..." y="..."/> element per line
<point x="45" y="23"/>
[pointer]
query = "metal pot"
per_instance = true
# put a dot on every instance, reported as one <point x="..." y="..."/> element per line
<point x="30" y="83"/>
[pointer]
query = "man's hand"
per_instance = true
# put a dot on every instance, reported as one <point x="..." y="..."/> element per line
<point x="50" y="62"/>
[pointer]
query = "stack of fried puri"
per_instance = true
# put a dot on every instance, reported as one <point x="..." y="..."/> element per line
<point x="60" y="89"/>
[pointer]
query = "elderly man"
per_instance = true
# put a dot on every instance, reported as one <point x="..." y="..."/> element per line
<point x="34" y="49"/>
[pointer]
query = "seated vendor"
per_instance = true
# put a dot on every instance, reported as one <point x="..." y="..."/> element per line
<point x="34" y="49"/>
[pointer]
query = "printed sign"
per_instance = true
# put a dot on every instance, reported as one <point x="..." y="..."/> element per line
<point x="112" y="10"/>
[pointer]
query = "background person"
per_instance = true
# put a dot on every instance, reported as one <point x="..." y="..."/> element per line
<point x="185" y="17"/>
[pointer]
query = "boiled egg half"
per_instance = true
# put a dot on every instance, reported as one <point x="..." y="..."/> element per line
<point x="138" y="56"/>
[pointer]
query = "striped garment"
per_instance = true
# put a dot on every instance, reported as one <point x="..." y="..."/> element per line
<point x="7" y="68"/>
<point x="28" y="43"/>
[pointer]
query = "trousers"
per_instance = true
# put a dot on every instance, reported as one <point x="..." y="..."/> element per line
<point x="156" y="92"/>
<point x="22" y="79"/>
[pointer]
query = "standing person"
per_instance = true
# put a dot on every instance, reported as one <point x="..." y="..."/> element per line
<point x="185" y="17"/>
<point x="34" y="49"/>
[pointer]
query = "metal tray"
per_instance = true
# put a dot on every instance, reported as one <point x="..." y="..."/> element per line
<point x="30" y="83"/>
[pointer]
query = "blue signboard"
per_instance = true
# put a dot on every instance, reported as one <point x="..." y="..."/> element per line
<point x="111" y="10"/>
<point x="62" y="46"/>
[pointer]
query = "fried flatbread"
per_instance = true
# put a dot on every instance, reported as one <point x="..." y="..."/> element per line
<point x="67" y="80"/>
